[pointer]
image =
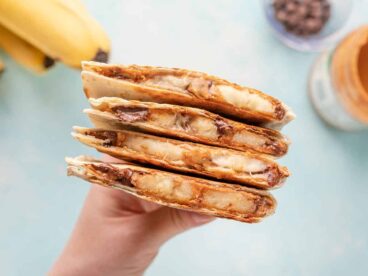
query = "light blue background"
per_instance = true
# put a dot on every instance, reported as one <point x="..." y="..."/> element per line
<point x="321" y="225"/>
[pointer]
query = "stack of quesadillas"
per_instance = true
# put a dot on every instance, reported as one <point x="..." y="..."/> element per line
<point x="185" y="139"/>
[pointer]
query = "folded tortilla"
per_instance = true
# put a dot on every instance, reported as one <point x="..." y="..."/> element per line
<point x="192" y="124"/>
<point x="177" y="191"/>
<point x="225" y="164"/>
<point x="184" y="87"/>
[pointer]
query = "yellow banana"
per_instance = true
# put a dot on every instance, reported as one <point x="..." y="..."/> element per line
<point x="23" y="52"/>
<point x="2" y="66"/>
<point x="62" y="29"/>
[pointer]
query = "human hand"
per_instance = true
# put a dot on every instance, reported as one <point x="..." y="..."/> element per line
<point x="119" y="234"/>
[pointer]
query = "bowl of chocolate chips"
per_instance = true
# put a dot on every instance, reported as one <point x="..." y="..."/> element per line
<point x="308" y="25"/>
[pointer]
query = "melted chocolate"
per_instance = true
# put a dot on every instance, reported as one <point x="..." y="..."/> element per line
<point x="110" y="137"/>
<point x="262" y="202"/>
<point x="275" y="147"/>
<point x="111" y="174"/>
<point x="119" y="73"/>
<point x="273" y="175"/>
<point x="131" y="114"/>
<point x="280" y="112"/>
<point x="222" y="127"/>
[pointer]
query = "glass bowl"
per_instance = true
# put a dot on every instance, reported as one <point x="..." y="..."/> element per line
<point x="331" y="32"/>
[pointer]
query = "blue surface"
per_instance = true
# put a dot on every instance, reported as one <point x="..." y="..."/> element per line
<point x="321" y="224"/>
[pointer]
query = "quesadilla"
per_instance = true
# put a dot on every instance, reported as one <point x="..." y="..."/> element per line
<point x="221" y="163"/>
<point x="177" y="191"/>
<point x="188" y="123"/>
<point x="184" y="87"/>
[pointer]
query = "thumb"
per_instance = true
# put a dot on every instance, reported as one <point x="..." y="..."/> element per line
<point x="165" y="222"/>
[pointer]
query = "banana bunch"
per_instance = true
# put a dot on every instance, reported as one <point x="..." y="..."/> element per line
<point x="1" y="66"/>
<point x="36" y="33"/>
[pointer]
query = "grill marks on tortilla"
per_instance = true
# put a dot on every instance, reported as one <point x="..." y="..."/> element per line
<point x="130" y="114"/>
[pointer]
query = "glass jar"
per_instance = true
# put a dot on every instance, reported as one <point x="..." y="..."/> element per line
<point x="338" y="84"/>
<point x="324" y="39"/>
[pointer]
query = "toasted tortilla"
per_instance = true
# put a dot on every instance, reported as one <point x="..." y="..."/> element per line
<point x="177" y="191"/>
<point x="224" y="164"/>
<point x="184" y="87"/>
<point x="191" y="124"/>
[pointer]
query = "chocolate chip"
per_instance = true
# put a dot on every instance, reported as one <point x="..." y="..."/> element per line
<point x="302" y="17"/>
<point x="301" y="11"/>
<point x="278" y="4"/>
<point x="315" y="5"/>
<point x="292" y="20"/>
<point x="313" y="24"/>
<point x="282" y="15"/>
<point x="316" y="13"/>
<point x="290" y="7"/>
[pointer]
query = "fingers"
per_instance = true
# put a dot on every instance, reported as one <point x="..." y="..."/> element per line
<point x="162" y="223"/>
<point x="165" y="223"/>
<point x="115" y="203"/>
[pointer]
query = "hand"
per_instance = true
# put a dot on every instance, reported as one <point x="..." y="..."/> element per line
<point x="119" y="234"/>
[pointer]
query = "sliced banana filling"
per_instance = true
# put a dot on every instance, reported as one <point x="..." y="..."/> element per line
<point x="205" y="160"/>
<point x="199" y="86"/>
<point x="194" y="123"/>
<point x="207" y="89"/>
<point x="176" y="189"/>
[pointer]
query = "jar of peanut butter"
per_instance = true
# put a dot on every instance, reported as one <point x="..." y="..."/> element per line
<point x="338" y="85"/>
